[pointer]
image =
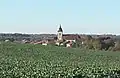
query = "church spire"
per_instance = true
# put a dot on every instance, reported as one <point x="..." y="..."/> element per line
<point x="60" y="29"/>
<point x="60" y="25"/>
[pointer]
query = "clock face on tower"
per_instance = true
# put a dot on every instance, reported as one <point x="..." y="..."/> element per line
<point x="59" y="34"/>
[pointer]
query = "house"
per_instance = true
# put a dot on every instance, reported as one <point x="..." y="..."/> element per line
<point x="44" y="44"/>
<point x="71" y="37"/>
<point x="48" y="41"/>
<point x="69" y="44"/>
<point x="7" y="40"/>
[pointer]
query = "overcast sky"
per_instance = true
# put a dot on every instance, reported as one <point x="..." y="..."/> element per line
<point x="75" y="16"/>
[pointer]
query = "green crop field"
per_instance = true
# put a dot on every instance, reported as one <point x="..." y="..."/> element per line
<point x="36" y="61"/>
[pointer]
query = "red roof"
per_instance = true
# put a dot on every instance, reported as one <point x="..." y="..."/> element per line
<point x="71" y="37"/>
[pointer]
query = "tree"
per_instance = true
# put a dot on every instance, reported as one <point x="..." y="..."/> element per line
<point x="117" y="46"/>
<point x="106" y="44"/>
<point x="96" y="44"/>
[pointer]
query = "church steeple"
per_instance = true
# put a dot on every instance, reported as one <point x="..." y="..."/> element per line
<point x="60" y="29"/>
<point x="60" y="34"/>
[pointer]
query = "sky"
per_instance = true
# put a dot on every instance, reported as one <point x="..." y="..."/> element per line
<point x="45" y="16"/>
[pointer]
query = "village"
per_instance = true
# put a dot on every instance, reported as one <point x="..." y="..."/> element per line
<point x="60" y="39"/>
<point x="76" y="40"/>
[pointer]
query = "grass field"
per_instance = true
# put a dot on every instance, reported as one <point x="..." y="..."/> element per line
<point x="36" y="61"/>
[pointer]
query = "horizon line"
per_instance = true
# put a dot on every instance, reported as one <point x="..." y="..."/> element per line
<point x="56" y="33"/>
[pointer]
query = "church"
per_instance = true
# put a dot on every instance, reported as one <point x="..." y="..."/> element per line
<point x="66" y="38"/>
<point x="61" y="39"/>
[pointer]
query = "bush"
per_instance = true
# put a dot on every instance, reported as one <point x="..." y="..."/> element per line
<point x="96" y="44"/>
<point x="117" y="46"/>
<point x="88" y="44"/>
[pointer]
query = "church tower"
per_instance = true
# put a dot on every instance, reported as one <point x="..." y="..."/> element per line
<point x="60" y="34"/>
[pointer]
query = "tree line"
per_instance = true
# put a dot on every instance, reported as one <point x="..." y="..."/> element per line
<point x="100" y="43"/>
